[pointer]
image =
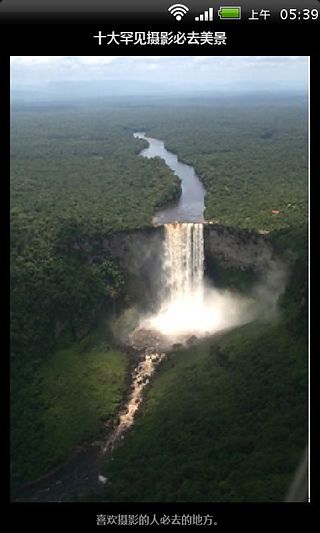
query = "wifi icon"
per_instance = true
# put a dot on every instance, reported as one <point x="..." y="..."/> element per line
<point x="178" y="11"/>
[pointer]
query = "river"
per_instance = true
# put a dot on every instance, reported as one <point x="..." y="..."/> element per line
<point x="190" y="206"/>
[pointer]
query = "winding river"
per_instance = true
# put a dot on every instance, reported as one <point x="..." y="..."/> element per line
<point x="190" y="206"/>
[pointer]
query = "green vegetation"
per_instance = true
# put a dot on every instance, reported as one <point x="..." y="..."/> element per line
<point x="225" y="420"/>
<point x="62" y="402"/>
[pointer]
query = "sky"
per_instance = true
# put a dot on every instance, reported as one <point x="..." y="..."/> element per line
<point x="178" y="72"/>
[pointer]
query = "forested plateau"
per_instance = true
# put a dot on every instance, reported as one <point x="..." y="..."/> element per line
<point x="75" y="177"/>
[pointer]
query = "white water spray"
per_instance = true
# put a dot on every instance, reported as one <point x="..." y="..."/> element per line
<point x="188" y="308"/>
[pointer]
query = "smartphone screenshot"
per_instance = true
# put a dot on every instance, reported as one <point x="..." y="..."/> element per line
<point x="160" y="157"/>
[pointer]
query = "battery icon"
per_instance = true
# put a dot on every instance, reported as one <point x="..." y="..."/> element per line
<point x="229" y="12"/>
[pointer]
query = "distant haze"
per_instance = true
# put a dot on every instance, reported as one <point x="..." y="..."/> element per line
<point x="65" y="77"/>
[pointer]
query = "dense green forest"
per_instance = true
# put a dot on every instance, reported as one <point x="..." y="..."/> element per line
<point x="76" y="175"/>
<point x="218" y="432"/>
<point x="62" y="402"/>
<point x="252" y="159"/>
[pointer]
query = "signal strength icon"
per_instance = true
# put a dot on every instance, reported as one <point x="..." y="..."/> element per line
<point x="207" y="15"/>
<point x="178" y="11"/>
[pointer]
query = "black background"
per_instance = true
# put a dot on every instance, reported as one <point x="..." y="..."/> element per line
<point x="72" y="34"/>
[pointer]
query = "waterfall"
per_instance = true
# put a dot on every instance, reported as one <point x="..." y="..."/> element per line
<point x="184" y="260"/>
<point x="186" y="312"/>
<point x="187" y="307"/>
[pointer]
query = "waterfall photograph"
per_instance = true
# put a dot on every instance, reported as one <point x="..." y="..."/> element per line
<point x="159" y="279"/>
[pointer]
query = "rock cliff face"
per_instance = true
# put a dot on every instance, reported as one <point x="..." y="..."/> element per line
<point x="236" y="248"/>
<point x="139" y="253"/>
